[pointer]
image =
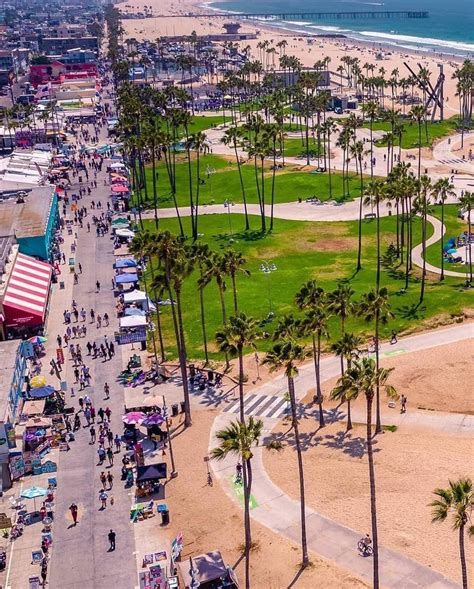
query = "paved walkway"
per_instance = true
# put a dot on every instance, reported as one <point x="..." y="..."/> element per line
<point x="438" y="233"/>
<point x="332" y="540"/>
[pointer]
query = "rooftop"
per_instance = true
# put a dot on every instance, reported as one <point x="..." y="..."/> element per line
<point x="8" y="352"/>
<point x="28" y="218"/>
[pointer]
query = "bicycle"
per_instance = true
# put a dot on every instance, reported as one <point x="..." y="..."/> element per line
<point x="364" y="548"/>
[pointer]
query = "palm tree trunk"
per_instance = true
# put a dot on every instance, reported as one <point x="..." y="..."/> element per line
<point x="462" y="556"/>
<point x="247" y="483"/>
<point x="234" y="293"/>
<point x="273" y="186"/>
<point x="241" y="384"/>
<point x="304" y="542"/>
<point x="378" y="419"/>
<point x="359" y="251"/>
<point x="441" y="241"/>
<point x="317" y="372"/>
<point x="198" y="180"/>
<point x="182" y="362"/>
<point x="377" y="280"/>
<point x="203" y="324"/>
<point x="373" y="504"/>
<point x="423" y="253"/>
<point x="242" y="187"/>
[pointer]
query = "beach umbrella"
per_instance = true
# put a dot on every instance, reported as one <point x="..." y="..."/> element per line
<point x="34" y="492"/>
<point x="38" y="381"/>
<point x="133" y="417"/>
<point x="153" y="419"/>
<point x="41" y="392"/>
<point x="37" y="339"/>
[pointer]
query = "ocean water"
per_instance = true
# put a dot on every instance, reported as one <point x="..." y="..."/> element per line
<point x="449" y="28"/>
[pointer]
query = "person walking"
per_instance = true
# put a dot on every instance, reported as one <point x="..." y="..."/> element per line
<point x="110" y="479"/>
<point x="44" y="572"/>
<point x="97" y="286"/>
<point x="103" y="496"/>
<point x="103" y="478"/>
<point x="118" y="443"/>
<point x="110" y="438"/>
<point x="403" y="401"/>
<point x="110" y="456"/>
<point x="93" y="434"/>
<point x="100" y="413"/>
<point x="108" y="413"/>
<point x="101" y="453"/>
<point x="73" y="510"/>
<point x="111" y="537"/>
<point x="107" y="390"/>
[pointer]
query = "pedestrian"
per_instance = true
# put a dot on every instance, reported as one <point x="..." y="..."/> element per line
<point x="92" y="315"/>
<point x="393" y="338"/>
<point x="92" y="413"/>
<point x="403" y="400"/>
<point x="110" y="456"/>
<point x="60" y="341"/>
<point x="100" y="413"/>
<point x="103" y="496"/>
<point x="107" y="391"/>
<point x="92" y="432"/>
<point x="111" y="349"/>
<point x="97" y="286"/>
<point x="106" y="319"/>
<point x="89" y="348"/>
<point x="101" y="453"/>
<point x="99" y="321"/>
<point x="110" y="479"/>
<point x="103" y="478"/>
<point x="44" y="572"/>
<point x="80" y="268"/>
<point x="73" y="510"/>
<point x="112" y="537"/>
<point x="118" y="443"/>
<point x="108" y="413"/>
<point x="110" y="438"/>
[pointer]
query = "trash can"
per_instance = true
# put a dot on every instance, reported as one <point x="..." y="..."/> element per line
<point x="182" y="405"/>
<point x="175" y="410"/>
<point x="165" y="517"/>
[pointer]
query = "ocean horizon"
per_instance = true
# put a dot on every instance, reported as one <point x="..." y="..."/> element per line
<point x="448" y="32"/>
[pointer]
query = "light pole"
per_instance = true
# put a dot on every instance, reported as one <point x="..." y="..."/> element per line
<point x="268" y="268"/>
<point x="209" y="172"/>
<point x="174" y="472"/>
<point x="227" y="205"/>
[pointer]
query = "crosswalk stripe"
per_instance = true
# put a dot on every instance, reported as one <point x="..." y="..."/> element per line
<point x="275" y="408"/>
<point x="230" y="408"/>
<point x="268" y="401"/>
<point x="250" y="407"/>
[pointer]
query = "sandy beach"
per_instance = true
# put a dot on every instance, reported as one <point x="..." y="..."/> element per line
<point x="153" y="28"/>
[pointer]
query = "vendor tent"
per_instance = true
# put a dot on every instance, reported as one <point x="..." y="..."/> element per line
<point x="125" y="263"/>
<point x="151" y="472"/>
<point x="117" y="166"/>
<point x="124" y="233"/>
<point x="119" y="221"/>
<point x="138" y="296"/>
<point x="207" y="568"/>
<point x="33" y="407"/>
<point x="134" y="312"/>
<point x="133" y="321"/>
<point x="125" y="278"/>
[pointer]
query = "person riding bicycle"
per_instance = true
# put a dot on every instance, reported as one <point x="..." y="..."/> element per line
<point x="365" y="543"/>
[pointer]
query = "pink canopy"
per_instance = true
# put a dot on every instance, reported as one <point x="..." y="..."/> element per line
<point x="120" y="188"/>
<point x="133" y="417"/>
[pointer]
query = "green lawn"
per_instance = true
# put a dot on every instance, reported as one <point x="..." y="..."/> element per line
<point x="454" y="227"/>
<point x="429" y="134"/>
<point x="201" y="122"/>
<point x="223" y="183"/>
<point x="296" y="147"/>
<point x="301" y="251"/>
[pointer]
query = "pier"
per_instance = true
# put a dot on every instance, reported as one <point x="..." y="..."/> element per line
<point x="309" y="16"/>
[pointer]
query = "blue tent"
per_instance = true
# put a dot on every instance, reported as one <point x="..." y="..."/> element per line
<point x="41" y="392"/>
<point x="124" y="278"/>
<point x="127" y="263"/>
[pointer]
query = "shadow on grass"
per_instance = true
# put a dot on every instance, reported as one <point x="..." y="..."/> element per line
<point x="413" y="311"/>
<point x="250" y="235"/>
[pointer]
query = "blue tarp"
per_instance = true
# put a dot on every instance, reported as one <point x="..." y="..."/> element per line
<point x="41" y="392"/>
<point x="124" y="278"/>
<point x="127" y="263"/>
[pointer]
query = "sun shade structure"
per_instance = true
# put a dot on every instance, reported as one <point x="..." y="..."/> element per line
<point x="133" y="321"/>
<point x="41" y="392"/>
<point x="133" y="417"/>
<point x="125" y="278"/>
<point x="125" y="263"/>
<point x="151" y="472"/>
<point x="153" y="419"/>
<point x="207" y="568"/>
<point x="26" y="297"/>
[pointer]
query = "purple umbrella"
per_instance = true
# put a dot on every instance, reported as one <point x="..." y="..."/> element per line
<point x="153" y="419"/>
<point x="133" y="417"/>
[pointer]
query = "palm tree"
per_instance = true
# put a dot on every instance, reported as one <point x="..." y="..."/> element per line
<point x="418" y="113"/>
<point x="467" y="202"/>
<point x="233" y="262"/>
<point x="239" y="332"/>
<point x="442" y="190"/>
<point x="198" y="143"/>
<point x="375" y="307"/>
<point x="371" y="110"/>
<point x="201" y="253"/>
<point x="287" y="353"/>
<point x="340" y="303"/>
<point x="458" y="500"/>
<point x="362" y="378"/>
<point x="421" y="205"/>
<point x="231" y="136"/>
<point x="375" y="191"/>
<point x="346" y="348"/>
<point x="239" y="438"/>
<point x="357" y="152"/>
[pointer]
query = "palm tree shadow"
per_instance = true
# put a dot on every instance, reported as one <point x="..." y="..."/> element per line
<point x="412" y="311"/>
<point x="353" y="446"/>
<point x="250" y="235"/>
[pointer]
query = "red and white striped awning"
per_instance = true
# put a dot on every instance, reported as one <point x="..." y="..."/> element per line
<point x="26" y="296"/>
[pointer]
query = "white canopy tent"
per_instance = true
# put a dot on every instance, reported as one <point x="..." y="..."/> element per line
<point x="133" y="321"/>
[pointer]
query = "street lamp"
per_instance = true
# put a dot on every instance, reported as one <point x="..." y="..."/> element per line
<point x="268" y="268"/>
<point x="227" y="205"/>
<point x="174" y="472"/>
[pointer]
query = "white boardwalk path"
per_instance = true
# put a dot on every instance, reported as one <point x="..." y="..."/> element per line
<point x="332" y="540"/>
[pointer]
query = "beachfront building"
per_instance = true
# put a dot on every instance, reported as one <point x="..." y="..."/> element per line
<point x="55" y="70"/>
